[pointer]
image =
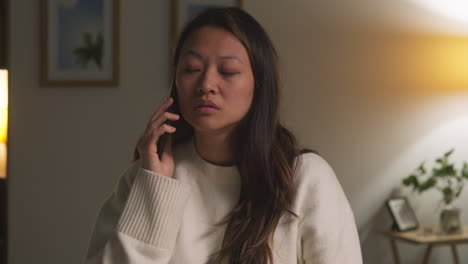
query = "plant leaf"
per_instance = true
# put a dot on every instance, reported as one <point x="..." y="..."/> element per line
<point x="444" y="170"/>
<point x="448" y="153"/>
<point x="427" y="184"/>
<point x="450" y="170"/>
<point x="422" y="169"/>
<point x="438" y="172"/>
<point x="447" y="191"/>
<point x="448" y="195"/>
<point x="464" y="171"/>
<point x="459" y="191"/>
<point x="412" y="181"/>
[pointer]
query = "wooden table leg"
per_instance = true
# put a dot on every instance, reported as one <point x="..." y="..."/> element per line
<point x="456" y="259"/>
<point x="396" y="256"/>
<point x="427" y="254"/>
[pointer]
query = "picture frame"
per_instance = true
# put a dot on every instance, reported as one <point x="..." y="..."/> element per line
<point x="402" y="213"/>
<point x="79" y="43"/>
<point x="184" y="10"/>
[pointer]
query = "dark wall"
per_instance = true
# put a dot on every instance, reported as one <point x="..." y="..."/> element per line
<point x="3" y="221"/>
<point x="3" y="189"/>
<point x="3" y="33"/>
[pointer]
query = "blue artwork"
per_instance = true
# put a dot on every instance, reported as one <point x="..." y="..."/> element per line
<point x="80" y="35"/>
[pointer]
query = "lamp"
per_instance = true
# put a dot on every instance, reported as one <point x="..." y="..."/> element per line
<point x="3" y="121"/>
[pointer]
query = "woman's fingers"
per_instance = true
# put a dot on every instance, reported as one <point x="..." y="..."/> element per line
<point x="147" y="142"/>
<point x="162" y="108"/>
<point x="148" y="147"/>
<point x="154" y="134"/>
<point x="154" y="124"/>
<point x="164" y="128"/>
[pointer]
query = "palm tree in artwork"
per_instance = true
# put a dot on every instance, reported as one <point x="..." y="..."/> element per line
<point x="91" y="50"/>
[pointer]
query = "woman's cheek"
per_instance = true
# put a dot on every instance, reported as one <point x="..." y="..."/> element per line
<point x="184" y="104"/>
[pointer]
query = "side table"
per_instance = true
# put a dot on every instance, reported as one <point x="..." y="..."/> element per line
<point x="428" y="235"/>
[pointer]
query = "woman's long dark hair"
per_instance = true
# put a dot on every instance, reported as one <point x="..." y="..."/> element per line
<point x="265" y="151"/>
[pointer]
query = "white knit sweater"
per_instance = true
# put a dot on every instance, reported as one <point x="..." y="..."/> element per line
<point x="151" y="218"/>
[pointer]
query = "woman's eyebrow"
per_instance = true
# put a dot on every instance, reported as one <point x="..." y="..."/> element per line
<point x="192" y="53"/>
<point x="231" y="57"/>
<point x="198" y="56"/>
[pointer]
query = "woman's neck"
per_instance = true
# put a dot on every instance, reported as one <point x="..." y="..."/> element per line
<point x="215" y="148"/>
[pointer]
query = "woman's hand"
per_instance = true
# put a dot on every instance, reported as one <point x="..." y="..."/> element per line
<point x="147" y="145"/>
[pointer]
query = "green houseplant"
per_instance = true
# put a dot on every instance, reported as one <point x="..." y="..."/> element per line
<point x="446" y="178"/>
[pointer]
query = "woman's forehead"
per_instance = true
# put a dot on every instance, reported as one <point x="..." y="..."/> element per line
<point x="194" y="54"/>
<point x="213" y="41"/>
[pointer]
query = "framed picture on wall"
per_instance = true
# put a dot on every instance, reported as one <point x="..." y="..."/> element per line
<point x="79" y="43"/>
<point x="402" y="214"/>
<point x="185" y="10"/>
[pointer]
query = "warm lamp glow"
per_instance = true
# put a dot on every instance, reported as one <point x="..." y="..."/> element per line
<point x="3" y="124"/>
<point x="438" y="63"/>
<point x="3" y="89"/>
<point x="3" y="105"/>
<point x="3" y="120"/>
<point x="451" y="63"/>
<point x="455" y="9"/>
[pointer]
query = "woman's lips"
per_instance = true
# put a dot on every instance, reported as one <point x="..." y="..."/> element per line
<point x="205" y="109"/>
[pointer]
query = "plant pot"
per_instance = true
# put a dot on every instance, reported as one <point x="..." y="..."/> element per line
<point x="450" y="220"/>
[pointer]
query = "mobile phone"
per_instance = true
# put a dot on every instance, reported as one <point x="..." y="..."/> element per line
<point x="174" y="108"/>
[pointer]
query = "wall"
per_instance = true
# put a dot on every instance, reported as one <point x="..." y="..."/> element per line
<point x="3" y="34"/>
<point x="369" y="99"/>
<point x="69" y="145"/>
<point x="375" y="99"/>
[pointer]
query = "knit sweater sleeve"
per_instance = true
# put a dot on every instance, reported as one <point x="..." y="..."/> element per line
<point x="140" y="221"/>
<point x="327" y="227"/>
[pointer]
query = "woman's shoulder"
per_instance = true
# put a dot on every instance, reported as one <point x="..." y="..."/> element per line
<point x="315" y="179"/>
<point x="312" y="166"/>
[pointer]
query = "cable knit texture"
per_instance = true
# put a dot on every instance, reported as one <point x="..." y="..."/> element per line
<point x="153" y="204"/>
<point x="151" y="218"/>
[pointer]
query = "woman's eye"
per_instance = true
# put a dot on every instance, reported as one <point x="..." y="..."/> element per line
<point x="191" y="70"/>
<point x="229" y="73"/>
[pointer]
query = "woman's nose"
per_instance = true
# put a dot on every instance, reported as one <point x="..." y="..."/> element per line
<point x="209" y="82"/>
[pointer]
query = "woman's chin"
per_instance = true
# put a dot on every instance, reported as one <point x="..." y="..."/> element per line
<point x="210" y="127"/>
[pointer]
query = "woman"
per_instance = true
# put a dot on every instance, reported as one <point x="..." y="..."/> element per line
<point x="230" y="184"/>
